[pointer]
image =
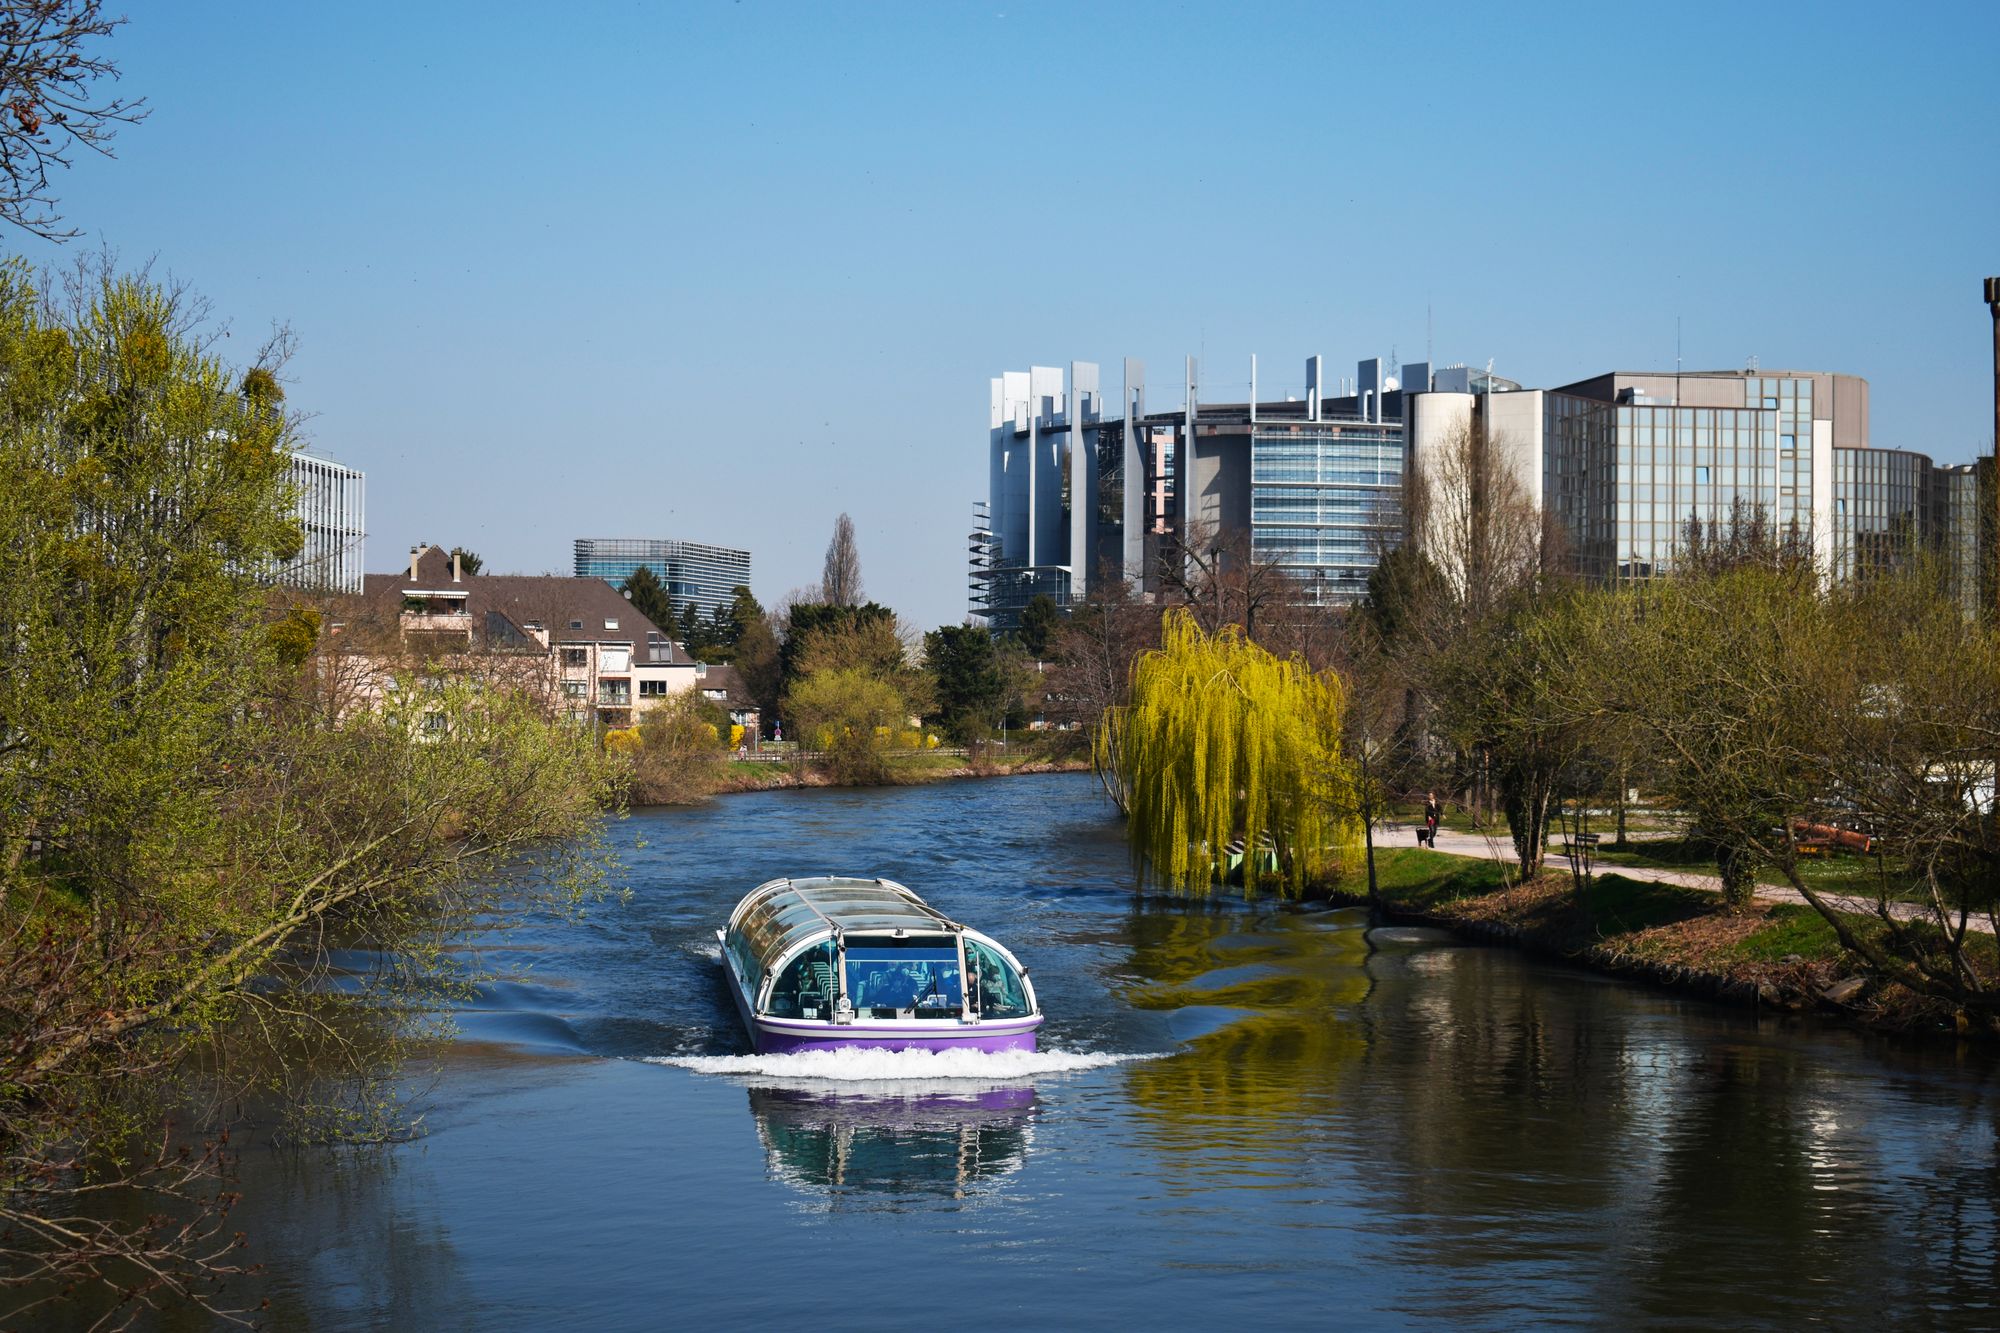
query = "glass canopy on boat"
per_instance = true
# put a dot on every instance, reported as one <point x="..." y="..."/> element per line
<point x="779" y="916"/>
<point x="827" y="947"/>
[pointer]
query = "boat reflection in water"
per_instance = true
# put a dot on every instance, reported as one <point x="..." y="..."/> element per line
<point x="895" y="1141"/>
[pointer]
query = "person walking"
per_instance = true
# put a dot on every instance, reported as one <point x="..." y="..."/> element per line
<point x="1432" y="813"/>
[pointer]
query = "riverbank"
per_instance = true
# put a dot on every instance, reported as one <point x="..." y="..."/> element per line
<point x="1772" y="955"/>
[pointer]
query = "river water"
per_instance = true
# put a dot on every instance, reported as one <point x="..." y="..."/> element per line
<point x="1241" y="1117"/>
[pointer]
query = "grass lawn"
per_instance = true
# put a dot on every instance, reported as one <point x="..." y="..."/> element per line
<point x="1414" y="877"/>
<point x="1834" y="873"/>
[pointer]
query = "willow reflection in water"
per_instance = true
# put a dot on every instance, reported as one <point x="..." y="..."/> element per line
<point x="930" y="1142"/>
<point x="1267" y="1008"/>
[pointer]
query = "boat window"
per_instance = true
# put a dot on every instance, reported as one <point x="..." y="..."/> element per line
<point x="997" y="991"/>
<point x="921" y="983"/>
<point x="805" y="988"/>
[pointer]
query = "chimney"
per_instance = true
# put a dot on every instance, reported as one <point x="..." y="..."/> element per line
<point x="416" y="552"/>
<point x="457" y="574"/>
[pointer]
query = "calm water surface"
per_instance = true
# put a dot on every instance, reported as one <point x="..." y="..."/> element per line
<point x="1244" y="1117"/>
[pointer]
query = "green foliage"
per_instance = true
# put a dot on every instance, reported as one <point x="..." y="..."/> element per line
<point x="1402" y="588"/>
<point x="1039" y="621"/>
<point x="649" y="598"/>
<point x="182" y="826"/>
<point x="811" y="621"/>
<point x="684" y="740"/>
<point x="1675" y="643"/>
<point x="1224" y="741"/>
<point x="851" y="715"/>
<point x="295" y="634"/>
<point x="469" y="562"/>
<point x="968" y="681"/>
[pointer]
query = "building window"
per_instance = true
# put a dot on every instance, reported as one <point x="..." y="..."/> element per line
<point x="652" y="689"/>
<point x="576" y="689"/>
<point x="1701" y="476"/>
<point x="576" y="624"/>
<point x="576" y="657"/>
<point x="611" y="622"/>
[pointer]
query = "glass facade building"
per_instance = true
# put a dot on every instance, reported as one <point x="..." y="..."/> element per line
<point x="1882" y="510"/>
<point x="1627" y="477"/>
<point x="1962" y="517"/>
<point x="329" y="502"/>
<point x="1325" y="502"/>
<point x="690" y="571"/>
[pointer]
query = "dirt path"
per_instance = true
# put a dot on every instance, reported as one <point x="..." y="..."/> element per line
<point x="1500" y="848"/>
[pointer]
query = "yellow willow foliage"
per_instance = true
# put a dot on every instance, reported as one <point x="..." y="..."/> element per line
<point x="1223" y="741"/>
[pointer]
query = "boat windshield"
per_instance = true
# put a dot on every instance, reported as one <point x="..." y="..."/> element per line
<point x="997" y="991"/>
<point x="919" y="982"/>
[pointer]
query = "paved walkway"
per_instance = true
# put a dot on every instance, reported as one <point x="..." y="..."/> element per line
<point x="1501" y="848"/>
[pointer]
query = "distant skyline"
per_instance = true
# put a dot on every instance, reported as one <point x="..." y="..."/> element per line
<point x="718" y="272"/>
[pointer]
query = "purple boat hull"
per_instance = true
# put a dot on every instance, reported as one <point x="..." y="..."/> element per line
<point x="964" y="1039"/>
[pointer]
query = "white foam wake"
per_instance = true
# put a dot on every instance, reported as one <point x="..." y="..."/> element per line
<point x="874" y="1065"/>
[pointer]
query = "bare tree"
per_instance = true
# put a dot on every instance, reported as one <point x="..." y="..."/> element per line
<point x="1490" y="561"/>
<point x="840" y="580"/>
<point x="49" y="106"/>
<point x="1220" y="578"/>
<point x="1091" y="656"/>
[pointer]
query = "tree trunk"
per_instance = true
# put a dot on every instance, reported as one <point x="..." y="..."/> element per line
<point x="1739" y="877"/>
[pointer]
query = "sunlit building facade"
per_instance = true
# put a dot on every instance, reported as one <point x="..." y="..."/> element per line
<point x="330" y="503"/>
<point x="1082" y="488"/>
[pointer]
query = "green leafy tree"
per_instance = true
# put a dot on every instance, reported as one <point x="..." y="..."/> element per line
<point x="179" y="815"/>
<point x="1224" y="742"/>
<point x="684" y="740"/>
<point x="1039" y="620"/>
<point x="849" y="715"/>
<point x="649" y="598"/>
<point x="967" y="679"/>
<point x="468" y="561"/>
<point x="757" y="661"/>
<point x="871" y="628"/>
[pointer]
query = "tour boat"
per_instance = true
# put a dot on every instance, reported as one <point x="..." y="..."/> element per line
<point x="833" y="962"/>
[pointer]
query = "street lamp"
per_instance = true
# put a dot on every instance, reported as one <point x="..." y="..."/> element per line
<point x="1993" y="556"/>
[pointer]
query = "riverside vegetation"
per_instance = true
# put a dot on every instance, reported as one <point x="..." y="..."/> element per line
<point x="184" y="831"/>
<point x="1739" y="689"/>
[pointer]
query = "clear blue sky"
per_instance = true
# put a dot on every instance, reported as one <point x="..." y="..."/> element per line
<point x="720" y="271"/>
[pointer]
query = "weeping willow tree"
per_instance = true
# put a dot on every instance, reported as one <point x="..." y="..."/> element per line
<point x="1224" y="744"/>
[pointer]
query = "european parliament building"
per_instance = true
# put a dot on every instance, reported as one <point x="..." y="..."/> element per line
<point x="1081" y="488"/>
<point x="691" y="571"/>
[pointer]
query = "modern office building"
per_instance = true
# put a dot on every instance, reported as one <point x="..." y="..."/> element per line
<point x="1623" y="461"/>
<point x="1966" y="535"/>
<point x="1080" y="489"/>
<point x="692" y="571"/>
<point x="330" y="504"/>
